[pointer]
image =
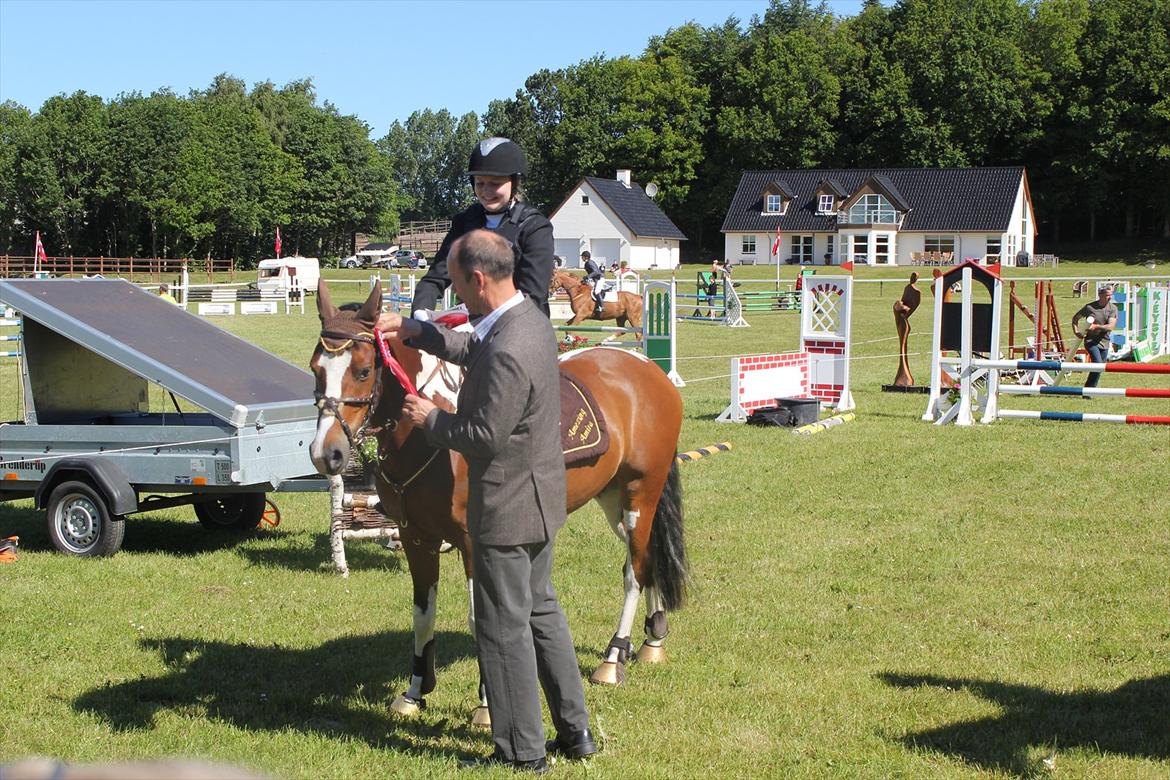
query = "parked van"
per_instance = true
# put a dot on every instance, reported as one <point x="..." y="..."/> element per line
<point x="274" y="274"/>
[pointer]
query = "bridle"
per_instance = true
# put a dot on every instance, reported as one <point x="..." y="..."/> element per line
<point x="330" y="406"/>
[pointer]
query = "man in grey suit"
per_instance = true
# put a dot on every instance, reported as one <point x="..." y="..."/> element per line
<point x="507" y="427"/>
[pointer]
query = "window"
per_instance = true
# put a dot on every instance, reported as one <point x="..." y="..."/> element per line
<point x="860" y="248"/>
<point x="825" y="206"/>
<point x="584" y="200"/>
<point x="802" y="249"/>
<point x="830" y="240"/>
<point x="994" y="247"/>
<point x="881" y="248"/>
<point x="872" y="209"/>
<point x="940" y="244"/>
<point x="773" y="204"/>
<point x="748" y="245"/>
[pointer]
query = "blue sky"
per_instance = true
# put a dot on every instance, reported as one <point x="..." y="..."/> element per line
<point x="378" y="60"/>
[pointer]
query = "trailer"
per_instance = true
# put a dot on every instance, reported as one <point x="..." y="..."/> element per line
<point x="91" y="450"/>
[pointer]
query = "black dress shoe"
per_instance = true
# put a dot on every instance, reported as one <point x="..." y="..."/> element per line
<point x="537" y="766"/>
<point x="578" y="745"/>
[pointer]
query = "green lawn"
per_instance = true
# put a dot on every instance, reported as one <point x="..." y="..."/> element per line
<point x="885" y="599"/>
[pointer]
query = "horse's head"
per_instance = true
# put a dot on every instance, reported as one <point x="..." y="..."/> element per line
<point x="350" y="391"/>
<point x="562" y="280"/>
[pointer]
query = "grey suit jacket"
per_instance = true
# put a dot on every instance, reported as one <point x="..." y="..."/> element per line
<point x="507" y="426"/>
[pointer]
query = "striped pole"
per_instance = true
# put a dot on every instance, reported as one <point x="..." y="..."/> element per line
<point x="702" y="452"/>
<point x="1057" y="365"/>
<point x="1127" y="419"/>
<point x="1085" y="392"/>
<point x="823" y="425"/>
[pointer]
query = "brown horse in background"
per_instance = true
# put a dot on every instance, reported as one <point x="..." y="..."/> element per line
<point x="424" y="488"/>
<point x="628" y="307"/>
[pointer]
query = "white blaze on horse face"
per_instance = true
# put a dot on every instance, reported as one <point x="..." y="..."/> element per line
<point x="334" y="366"/>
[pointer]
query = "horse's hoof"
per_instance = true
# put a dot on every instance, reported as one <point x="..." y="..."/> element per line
<point x="609" y="673"/>
<point x="406" y="707"/>
<point x="651" y="654"/>
<point x="481" y="717"/>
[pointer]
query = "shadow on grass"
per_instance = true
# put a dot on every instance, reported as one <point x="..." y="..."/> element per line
<point x="339" y="689"/>
<point x="1132" y="720"/>
<point x="360" y="555"/>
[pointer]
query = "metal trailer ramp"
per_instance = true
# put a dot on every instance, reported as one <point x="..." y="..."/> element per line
<point x="91" y="349"/>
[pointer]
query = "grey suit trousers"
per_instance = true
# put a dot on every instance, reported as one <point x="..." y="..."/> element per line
<point x="523" y="636"/>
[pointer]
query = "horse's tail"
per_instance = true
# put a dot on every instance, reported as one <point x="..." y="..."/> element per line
<point x="671" y="572"/>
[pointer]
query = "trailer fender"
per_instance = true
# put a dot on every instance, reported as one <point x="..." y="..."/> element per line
<point x="106" y="476"/>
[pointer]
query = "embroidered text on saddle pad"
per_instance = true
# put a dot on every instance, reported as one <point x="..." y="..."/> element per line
<point x="583" y="433"/>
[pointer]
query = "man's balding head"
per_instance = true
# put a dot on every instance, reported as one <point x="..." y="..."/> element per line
<point x="486" y="252"/>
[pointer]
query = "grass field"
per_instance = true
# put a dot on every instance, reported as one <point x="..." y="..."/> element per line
<point x="885" y="599"/>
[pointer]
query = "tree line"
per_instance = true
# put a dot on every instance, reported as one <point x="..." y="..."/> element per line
<point x="1078" y="91"/>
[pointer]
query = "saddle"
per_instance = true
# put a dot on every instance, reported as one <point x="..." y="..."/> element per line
<point x="583" y="432"/>
<point x="608" y="292"/>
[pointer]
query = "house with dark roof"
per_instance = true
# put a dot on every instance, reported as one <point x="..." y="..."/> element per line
<point x="615" y="220"/>
<point x="880" y="216"/>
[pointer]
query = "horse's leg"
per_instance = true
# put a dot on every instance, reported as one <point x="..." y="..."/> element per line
<point x="612" y="670"/>
<point x="422" y="555"/>
<point x="651" y="651"/>
<point x="481" y="716"/>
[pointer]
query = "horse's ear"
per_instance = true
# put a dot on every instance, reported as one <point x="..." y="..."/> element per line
<point x="373" y="305"/>
<point x="325" y="308"/>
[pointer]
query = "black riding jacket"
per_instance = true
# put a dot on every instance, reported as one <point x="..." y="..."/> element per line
<point x="593" y="272"/>
<point x="531" y="237"/>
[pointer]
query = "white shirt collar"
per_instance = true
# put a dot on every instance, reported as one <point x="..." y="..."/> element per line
<point x="485" y="325"/>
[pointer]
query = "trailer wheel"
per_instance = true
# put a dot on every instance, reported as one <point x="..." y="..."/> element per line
<point x="235" y="512"/>
<point x="80" y="523"/>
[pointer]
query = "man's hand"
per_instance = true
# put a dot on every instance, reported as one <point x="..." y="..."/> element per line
<point x="393" y="325"/>
<point x="415" y="408"/>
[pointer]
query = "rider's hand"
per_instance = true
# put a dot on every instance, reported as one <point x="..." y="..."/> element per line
<point x="416" y="408"/>
<point x="392" y="324"/>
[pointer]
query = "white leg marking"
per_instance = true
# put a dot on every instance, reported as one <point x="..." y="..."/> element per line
<point x="424" y="632"/>
<point x="629" y="607"/>
<point x="471" y="606"/>
<point x="334" y="367"/>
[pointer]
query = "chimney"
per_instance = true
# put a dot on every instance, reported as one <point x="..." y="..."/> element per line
<point x="623" y="175"/>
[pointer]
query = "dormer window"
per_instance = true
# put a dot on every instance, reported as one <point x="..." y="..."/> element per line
<point x="825" y="204"/>
<point x="773" y="204"/>
<point x="872" y="209"/>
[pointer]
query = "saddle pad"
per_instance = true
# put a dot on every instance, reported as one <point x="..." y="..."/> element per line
<point x="583" y="433"/>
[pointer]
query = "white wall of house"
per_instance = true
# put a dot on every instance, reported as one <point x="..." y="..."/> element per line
<point x="593" y="225"/>
<point x="899" y="246"/>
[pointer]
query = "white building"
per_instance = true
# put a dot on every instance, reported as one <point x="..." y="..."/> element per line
<point x="615" y="219"/>
<point x="890" y="216"/>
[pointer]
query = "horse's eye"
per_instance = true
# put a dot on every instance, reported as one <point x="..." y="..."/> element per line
<point x="364" y="374"/>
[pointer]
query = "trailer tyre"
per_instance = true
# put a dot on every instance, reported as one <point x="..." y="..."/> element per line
<point x="236" y="512"/>
<point x="80" y="523"/>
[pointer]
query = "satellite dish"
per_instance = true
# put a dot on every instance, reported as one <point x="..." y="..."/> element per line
<point x="651" y="189"/>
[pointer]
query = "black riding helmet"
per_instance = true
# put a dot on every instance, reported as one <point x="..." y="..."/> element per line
<point x="497" y="157"/>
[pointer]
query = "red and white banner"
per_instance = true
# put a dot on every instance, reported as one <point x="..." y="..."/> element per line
<point x="278" y="242"/>
<point x="40" y="251"/>
<point x="776" y="244"/>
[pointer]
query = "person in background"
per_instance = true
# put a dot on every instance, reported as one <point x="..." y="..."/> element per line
<point x="507" y="427"/>
<point x="595" y="275"/>
<point x="495" y="167"/>
<point x="164" y="292"/>
<point x="1100" y="317"/>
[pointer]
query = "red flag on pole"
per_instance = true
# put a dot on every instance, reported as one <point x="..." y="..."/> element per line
<point x="40" y="252"/>
<point x="776" y="244"/>
<point x="278" y="242"/>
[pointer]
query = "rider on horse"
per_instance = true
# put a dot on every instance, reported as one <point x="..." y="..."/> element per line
<point x="595" y="275"/>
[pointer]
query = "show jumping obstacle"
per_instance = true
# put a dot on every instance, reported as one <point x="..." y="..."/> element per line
<point x="973" y="328"/>
<point x="820" y="369"/>
<point x="8" y="321"/>
<point x="656" y="336"/>
<point x="361" y="385"/>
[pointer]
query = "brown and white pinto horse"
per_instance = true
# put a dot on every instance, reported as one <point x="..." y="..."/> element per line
<point x="425" y="488"/>
<point x="628" y="306"/>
